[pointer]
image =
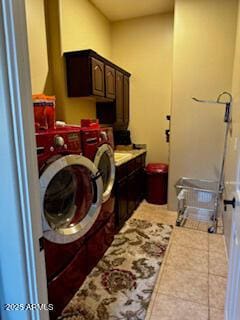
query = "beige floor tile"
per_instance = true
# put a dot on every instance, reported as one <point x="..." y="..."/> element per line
<point x="150" y="306"/>
<point x="216" y="243"/>
<point x="145" y="215"/>
<point x="220" y="230"/>
<point x="216" y="314"/>
<point x="218" y="264"/>
<point x="155" y="216"/>
<point x="201" y="226"/>
<point x="220" y="222"/>
<point x="196" y="225"/>
<point x="217" y="289"/>
<point x="190" y="238"/>
<point x="149" y="206"/>
<point x="154" y="207"/>
<point x="169" y="308"/>
<point x="183" y="258"/>
<point x="184" y="284"/>
<point x="155" y="291"/>
<point x="184" y="288"/>
<point x="156" y="210"/>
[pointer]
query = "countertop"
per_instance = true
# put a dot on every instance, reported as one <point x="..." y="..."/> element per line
<point x="130" y="154"/>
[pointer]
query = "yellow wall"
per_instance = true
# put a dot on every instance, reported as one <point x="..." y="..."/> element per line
<point x="77" y="24"/>
<point x="232" y="159"/>
<point x="74" y="25"/>
<point x="204" y="40"/>
<point x="84" y="27"/>
<point x="37" y="45"/>
<point x="143" y="46"/>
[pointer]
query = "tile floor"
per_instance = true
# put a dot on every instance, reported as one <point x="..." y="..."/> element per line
<point x="192" y="280"/>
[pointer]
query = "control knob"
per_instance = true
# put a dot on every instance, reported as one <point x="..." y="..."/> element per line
<point x="58" y="141"/>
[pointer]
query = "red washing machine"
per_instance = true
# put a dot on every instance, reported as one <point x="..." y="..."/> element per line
<point x="98" y="145"/>
<point x="71" y="196"/>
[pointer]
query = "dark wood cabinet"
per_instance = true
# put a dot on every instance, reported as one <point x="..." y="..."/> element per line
<point x="98" y="85"/>
<point x="129" y="188"/>
<point x="140" y="185"/>
<point x="85" y="76"/>
<point x="89" y="74"/>
<point x="78" y="74"/>
<point x="132" y="194"/>
<point x="119" y="99"/>
<point x="121" y="201"/>
<point x="122" y="101"/>
<point x="110" y="82"/>
<point x="126" y="101"/>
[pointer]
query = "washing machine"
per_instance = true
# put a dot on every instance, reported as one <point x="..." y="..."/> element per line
<point x="98" y="146"/>
<point x="71" y="199"/>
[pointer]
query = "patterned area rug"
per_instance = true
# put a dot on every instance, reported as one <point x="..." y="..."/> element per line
<point x="121" y="285"/>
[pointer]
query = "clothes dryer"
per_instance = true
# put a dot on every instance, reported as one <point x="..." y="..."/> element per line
<point x="98" y="145"/>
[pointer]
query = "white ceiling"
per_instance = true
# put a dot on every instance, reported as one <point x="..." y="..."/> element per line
<point x="116" y="10"/>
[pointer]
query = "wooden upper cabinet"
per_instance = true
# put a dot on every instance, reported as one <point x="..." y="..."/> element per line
<point x="122" y="101"/>
<point x="110" y="84"/>
<point x="126" y="101"/>
<point x="98" y="87"/>
<point x="89" y="74"/>
<point x="119" y="99"/>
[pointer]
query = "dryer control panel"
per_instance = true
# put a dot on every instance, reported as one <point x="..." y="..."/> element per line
<point x="54" y="142"/>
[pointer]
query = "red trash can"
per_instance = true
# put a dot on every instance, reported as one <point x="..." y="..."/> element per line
<point x="156" y="183"/>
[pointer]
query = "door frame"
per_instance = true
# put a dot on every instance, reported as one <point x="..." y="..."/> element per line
<point x="22" y="264"/>
<point x="232" y="307"/>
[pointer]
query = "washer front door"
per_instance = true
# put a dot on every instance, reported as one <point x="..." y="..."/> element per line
<point x="71" y="193"/>
<point x="104" y="161"/>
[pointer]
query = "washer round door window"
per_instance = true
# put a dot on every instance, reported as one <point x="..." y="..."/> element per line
<point x="104" y="161"/>
<point x="71" y="194"/>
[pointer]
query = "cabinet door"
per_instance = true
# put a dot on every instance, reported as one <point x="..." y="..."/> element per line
<point x="110" y="82"/>
<point x="97" y="77"/>
<point x="121" y="202"/>
<point x="132" y="194"/>
<point x="119" y="99"/>
<point x="140" y="186"/>
<point x="126" y="101"/>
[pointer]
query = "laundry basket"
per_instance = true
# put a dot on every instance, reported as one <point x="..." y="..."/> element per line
<point x="198" y="200"/>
